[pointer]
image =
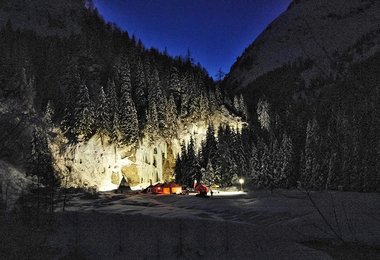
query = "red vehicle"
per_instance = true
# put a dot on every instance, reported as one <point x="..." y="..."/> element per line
<point x="201" y="189"/>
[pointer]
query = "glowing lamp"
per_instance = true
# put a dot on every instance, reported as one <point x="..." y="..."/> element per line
<point x="241" y="181"/>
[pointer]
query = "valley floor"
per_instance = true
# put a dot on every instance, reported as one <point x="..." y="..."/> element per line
<point x="256" y="225"/>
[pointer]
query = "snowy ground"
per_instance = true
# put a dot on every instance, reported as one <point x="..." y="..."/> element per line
<point x="257" y="225"/>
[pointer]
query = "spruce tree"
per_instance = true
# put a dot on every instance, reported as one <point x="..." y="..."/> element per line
<point x="128" y="119"/>
<point x="112" y="101"/>
<point x="175" y="85"/>
<point x="312" y="157"/>
<point x="236" y="104"/>
<point x="178" y="170"/>
<point x="209" y="149"/>
<point x="266" y="177"/>
<point x="40" y="162"/>
<point x="71" y="82"/>
<point x="193" y="168"/>
<point x="255" y="167"/>
<point x="157" y="96"/>
<point x="102" y="116"/>
<point x="83" y="113"/>
<point x="151" y="127"/>
<point x="263" y="114"/>
<point x="286" y="178"/>
<point x="140" y="96"/>
<point x="203" y="107"/>
<point x="275" y="166"/>
<point x="171" y="117"/>
<point x="49" y="113"/>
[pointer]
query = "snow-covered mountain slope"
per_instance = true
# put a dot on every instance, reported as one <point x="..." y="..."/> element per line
<point x="51" y="17"/>
<point x="316" y="30"/>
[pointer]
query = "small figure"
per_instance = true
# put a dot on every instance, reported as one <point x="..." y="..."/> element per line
<point x="211" y="192"/>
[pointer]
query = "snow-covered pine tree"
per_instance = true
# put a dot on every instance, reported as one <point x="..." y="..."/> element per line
<point x="255" y="166"/>
<point x="148" y="73"/>
<point x="124" y="74"/>
<point x="239" y="155"/>
<point x="211" y="177"/>
<point x="139" y="90"/>
<point x="312" y="162"/>
<point x="83" y="113"/>
<point x="157" y="96"/>
<point x="287" y="165"/>
<point x="209" y="148"/>
<point x="263" y="114"/>
<point x="70" y="82"/>
<point x="175" y="85"/>
<point x="112" y="102"/>
<point x="49" y="113"/>
<point x="331" y="175"/>
<point x="178" y="170"/>
<point x="265" y="178"/>
<point x="275" y="163"/>
<point x="193" y="169"/>
<point x="236" y="104"/>
<point x="102" y="116"/>
<point x="204" y="107"/>
<point x="213" y="103"/>
<point x="185" y="95"/>
<point x="128" y="119"/>
<point x="194" y="104"/>
<point x="151" y="126"/>
<point x="171" y="117"/>
<point x="181" y="166"/>
<point x="226" y="166"/>
<point x="40" y="162"/>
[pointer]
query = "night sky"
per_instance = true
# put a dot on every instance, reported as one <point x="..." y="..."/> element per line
<point x="215" y="31"/>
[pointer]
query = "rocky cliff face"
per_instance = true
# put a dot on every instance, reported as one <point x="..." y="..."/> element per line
<point x="99" y="61"/>
<point x="319" y="31"/>
<point x="102" y="164"/>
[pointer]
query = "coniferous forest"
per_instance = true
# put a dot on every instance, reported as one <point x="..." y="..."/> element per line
<point x="112" y="149"/>
<point x="104" y="81"/>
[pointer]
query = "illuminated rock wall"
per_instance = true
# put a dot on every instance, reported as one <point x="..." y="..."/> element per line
<point x="101" y="164"/>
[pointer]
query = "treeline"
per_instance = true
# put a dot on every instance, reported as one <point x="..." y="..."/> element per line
<point x="333" y="126"/>
<point x="104" y="81"/>
<point x="101" y="81"/>
<point x="230" y="154"/>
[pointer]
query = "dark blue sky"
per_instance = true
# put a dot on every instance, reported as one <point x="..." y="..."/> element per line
<point x="215" y="31"/>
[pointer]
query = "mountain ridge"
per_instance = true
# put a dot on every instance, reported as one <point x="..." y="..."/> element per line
<point x="315" y="30"/>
